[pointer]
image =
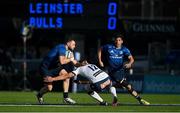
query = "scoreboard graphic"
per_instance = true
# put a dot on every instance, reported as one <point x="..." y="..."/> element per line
<point x="75" y="15"/>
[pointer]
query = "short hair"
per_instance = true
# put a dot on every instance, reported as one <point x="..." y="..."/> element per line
<point x="87" y="58"/>
<point x="117" y="36"/>
<point x="69" y="37"/>
<point x="69" y="40"/>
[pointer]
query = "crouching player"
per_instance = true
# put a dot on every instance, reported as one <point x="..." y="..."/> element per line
<point x="98" y="79"/>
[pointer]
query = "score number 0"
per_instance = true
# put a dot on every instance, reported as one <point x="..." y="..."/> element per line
<point x="112" y="11"/>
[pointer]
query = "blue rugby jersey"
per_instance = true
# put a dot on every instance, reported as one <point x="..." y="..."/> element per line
<point x="115" y="56"/>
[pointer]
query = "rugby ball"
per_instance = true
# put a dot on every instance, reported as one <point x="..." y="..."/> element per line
<point x="69" y="54"/>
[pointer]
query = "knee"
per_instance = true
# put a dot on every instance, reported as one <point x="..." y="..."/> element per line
<point x="129" y="86"/>
<point x="49" y="88"/>
<point x="66" y="80"/>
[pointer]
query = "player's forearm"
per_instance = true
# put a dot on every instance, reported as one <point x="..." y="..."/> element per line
<point x="78" y="64"/>
<point x="63" y="76"/>
<point x="64" y="60"/>
<point x="60" y="77"/>
<point x="99" y="55"/>
<point x="67" y="60"/>
<point x="131" y="60"/>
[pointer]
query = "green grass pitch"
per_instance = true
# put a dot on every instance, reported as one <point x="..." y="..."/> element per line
<point x="26" y="102"/>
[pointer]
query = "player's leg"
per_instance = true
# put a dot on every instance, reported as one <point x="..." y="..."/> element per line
<point x="67" y="99"/>
<point x="66" y="89"/>
<point x="96" y="96"/>
<point x="47" y="88"/>
<point x="115" y="76"/>
<point x="133" y="92"/>
<point x="130" y="89"/>
<point x="119" y="78"/>
<point x="112" y="90"/>
<point x="45" y="72"/>
<point x="92" y="91"/>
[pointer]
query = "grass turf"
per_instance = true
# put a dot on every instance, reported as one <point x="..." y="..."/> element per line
<point x="26" y="101"/>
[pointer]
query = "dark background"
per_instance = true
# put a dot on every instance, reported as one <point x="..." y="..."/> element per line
<point x="154" y="51"/>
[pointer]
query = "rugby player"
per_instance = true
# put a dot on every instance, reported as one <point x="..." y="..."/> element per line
<point x="113" y="57"/>
<point x="56" y="63"/>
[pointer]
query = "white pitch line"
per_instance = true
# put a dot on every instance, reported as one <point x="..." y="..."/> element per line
<point x="21" y="105"/>
<point x="165" y="104"/>
<point x="85" y="105"/>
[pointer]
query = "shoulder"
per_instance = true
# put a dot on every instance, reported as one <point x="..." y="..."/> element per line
<point x="61" y="47"/>
<point x="108" y="46"/>
<point x="124" y="48"/>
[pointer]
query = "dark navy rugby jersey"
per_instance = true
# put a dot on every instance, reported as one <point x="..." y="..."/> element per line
<point x="51" y="60"/>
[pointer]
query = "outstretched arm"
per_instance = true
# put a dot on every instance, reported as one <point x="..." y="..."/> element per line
<point x="60" y="77"/>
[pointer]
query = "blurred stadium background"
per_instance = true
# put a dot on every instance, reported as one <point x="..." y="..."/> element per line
<point x="151" y="28"/>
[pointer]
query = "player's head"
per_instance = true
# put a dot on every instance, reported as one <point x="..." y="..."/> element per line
<point x="118" y="40"/>
<point x="84" y="62"/>
<point x="71" y="44"/>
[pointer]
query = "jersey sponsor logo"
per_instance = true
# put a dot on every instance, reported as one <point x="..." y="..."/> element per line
<point x="115" y="52"/>
<point x="116" y="57"/>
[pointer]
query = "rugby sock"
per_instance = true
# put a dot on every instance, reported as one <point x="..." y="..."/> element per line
<point x="113" y="91"/>
<point x="131" y="90"/>
<point x="135" y="94"/>
<point x="42" y="91"/>
<point x="138" y="98"/>
<point x="65" y="94"/>
<point x="95" y="96"/>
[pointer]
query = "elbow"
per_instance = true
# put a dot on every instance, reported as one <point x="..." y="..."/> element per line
<point x="132" y="61"/>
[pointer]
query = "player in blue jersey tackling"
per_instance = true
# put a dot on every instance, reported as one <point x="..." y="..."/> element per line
<point x="115" y="55"/>
<point x="57" y="63"/>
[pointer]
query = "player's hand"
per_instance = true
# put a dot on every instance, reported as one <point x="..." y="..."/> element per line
<point x="72" y="58"/>
<point x="101" y="64"/>
<point x="128" y="65"/>
<point x="48" y="79"/>
<point x="74" y="61"/>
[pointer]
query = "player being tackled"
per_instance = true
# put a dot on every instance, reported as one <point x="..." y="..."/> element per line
<point x="98" y="79"/>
